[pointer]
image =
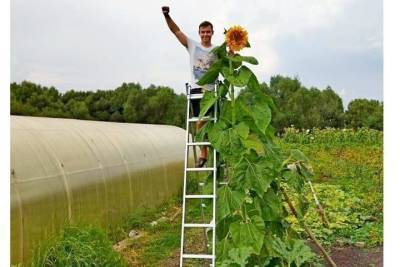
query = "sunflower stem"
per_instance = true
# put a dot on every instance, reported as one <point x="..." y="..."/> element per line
<point x="232" y="95"/>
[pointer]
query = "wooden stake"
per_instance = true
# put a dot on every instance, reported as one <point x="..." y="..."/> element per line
<point x="326" y="255"/>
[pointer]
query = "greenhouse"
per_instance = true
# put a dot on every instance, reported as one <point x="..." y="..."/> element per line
<point x="75" y="171"/>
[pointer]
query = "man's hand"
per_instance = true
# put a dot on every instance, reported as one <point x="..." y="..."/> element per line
<point x="165" y="10"/>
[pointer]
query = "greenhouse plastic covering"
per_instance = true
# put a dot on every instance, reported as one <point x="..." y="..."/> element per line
<point x="77" y="171"/>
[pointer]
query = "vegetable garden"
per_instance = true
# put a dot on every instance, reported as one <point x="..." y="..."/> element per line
<point x="267" y="213"/>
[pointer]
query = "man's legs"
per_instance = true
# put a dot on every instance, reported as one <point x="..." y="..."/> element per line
<point x="203" y="149"/>
<point x="196" y="111"/>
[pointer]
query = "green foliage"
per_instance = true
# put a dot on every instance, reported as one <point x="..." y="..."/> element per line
<point x="127" y="103"/>
<point x="301" y="107"/>
<point x="365" y="113"/>
<point x="78" y="246"/>
<point x="331" y="136"/>
<point x="348" y="178"/>
<point x="296" y="253"/>
<point x="251" y="214"/>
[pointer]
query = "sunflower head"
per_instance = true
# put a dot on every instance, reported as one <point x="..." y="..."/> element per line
<point x="236" y="38"/>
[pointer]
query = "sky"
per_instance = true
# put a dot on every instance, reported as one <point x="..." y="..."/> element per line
<point x="99" y="44"/>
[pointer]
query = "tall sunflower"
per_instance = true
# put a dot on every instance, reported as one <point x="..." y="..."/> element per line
<point x="236" y="38"/>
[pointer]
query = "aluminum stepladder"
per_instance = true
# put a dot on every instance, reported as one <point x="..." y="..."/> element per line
<point x="212" y="225"/>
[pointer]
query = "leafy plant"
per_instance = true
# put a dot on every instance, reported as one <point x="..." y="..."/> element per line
<point x="251" y="213"/>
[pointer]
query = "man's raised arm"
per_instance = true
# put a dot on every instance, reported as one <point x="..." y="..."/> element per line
<point x="174" y="28"/>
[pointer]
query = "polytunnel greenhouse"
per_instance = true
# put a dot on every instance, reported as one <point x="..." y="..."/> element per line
<point x="76" y="171"/>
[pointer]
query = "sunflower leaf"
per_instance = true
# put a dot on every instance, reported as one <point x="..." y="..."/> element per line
<point x="212" y="73"/>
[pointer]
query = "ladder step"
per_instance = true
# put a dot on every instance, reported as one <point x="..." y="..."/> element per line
<point x="205" y="118"/>
<point x="195" y="96"/>
<point x="200" y="196"/>
<point x="199" y="169"/>
<point x="197" y="256"/>
<point x="199" y="225"/>
<point x="199" y="144"/>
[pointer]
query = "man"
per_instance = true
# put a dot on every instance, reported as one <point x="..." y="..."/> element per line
<point x="201" y="58"/>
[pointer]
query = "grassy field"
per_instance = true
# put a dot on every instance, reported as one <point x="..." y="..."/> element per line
<point x="348" y="179"/>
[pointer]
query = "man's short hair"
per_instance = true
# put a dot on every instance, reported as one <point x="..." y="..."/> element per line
<point x="206" y="24"/>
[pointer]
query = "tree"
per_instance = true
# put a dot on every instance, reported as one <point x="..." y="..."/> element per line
<point x="364" y="113"/>
<point x="302" y="107"/>
<point x="78" y="109"/>
<point x="117" y="117"/>
<point x="331" y="108"/>
<point x="134" y="106"/>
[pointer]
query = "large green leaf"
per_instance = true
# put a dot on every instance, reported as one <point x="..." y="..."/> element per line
<point x="222" y="90"/>
<point x="253" y="84"/>
<point x="223" y="247"/>
<point x="295" y="156"/>
<point x="228" y="201"/>
<point x="253" y="142"/>
<point x="242" y="129"/>
<point x="238" y="58"/>
<point x="208" y="100"/>
<point x="238" y="78"/>
<point x="254" y="175"/>
<point x="247" y="234"/>
<point x="258" y="110"/>
<point x="223" y="224"/>
<point x="240" y="255"/>
<point x="270" y="206"/>
<point x="220" y="51"/>
<point x="212" y="73"/>
<point x="228" y="140"/>
<point x="216" y="134"/>
<point x="301" y="253"/>
<point x="298" y="253"/>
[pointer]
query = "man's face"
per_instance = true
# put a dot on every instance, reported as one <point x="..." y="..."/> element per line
<point x="205" y="34"/>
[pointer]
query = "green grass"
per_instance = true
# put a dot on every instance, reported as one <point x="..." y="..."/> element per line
<point x="159" y="230"/>
<point x="78" y="246"/>
<point x="161" y="241"/>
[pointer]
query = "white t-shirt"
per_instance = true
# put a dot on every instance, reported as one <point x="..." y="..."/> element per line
<point x="201" y="58"/>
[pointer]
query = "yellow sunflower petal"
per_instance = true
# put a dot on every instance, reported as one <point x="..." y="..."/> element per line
<point x="236" y="38"/>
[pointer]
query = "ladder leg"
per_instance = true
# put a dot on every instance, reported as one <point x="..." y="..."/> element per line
<point x="184" y="184"/>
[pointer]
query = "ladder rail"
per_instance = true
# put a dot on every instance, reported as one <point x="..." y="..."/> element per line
<point x="184" y="182"/>
<point x="214" y="187"/>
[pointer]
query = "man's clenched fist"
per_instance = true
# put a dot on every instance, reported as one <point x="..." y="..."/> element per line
<point x="165" y="10"/>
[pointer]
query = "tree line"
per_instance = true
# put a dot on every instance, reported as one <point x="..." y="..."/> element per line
<point x="296" y="105"/>
<point x="306" y="108"/>
<point x="127" y="103"/>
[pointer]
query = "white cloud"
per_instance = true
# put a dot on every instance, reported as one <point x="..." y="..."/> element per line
<point x="94" y="44"/>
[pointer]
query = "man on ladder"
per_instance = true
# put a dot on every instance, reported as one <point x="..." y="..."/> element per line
<point x="201" y="58"/>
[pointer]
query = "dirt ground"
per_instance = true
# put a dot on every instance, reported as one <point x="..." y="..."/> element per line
<point x="342" y="256"/>
<point x="356" y="257"/>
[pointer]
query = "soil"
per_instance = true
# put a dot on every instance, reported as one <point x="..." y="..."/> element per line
<point x="348" y="256"/>
<point x="357" y="257"/>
